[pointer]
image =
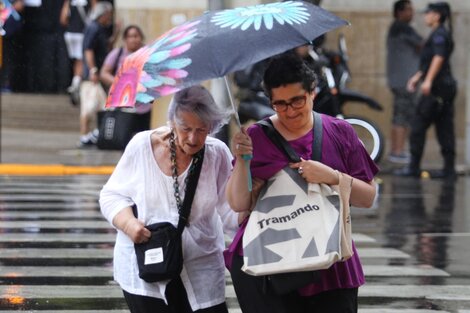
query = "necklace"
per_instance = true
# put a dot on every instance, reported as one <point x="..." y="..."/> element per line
<point x="174" y="171"/>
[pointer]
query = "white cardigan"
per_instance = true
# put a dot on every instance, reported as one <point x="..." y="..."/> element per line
<point x="138" y="179"/>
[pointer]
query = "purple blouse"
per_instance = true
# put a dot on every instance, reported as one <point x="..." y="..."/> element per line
<point x="341" y="150"/>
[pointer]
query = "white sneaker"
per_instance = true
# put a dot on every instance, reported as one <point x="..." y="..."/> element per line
<point x="402" y="158"/>
<point x="85" y="142"/>
<point x="93" y="135"/>
<point x="75" y="85"/>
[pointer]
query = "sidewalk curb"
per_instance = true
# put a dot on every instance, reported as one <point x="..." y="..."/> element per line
<point x="53" y="170"/>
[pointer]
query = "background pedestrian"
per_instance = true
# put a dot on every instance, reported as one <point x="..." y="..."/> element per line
<point x="133" y="39"/>
<point x="96" y="45"/>
<point x="403" y="49"/>
<point x="75" y="17"/>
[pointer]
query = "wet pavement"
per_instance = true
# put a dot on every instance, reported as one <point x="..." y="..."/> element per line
<point x="56" y="249"/>
<point x="29" y="146"/>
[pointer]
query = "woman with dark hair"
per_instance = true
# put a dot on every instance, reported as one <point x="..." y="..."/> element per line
<point x="438" y="89"/>
<point x="152" y="174"/>
<point x="133" y="38"/>
<point x="290" y="86"/>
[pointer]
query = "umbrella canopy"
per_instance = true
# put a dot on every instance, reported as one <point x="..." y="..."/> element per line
<point x="215" y="44"/>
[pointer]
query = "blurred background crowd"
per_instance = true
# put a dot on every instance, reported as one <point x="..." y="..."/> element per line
<point x="35" y="57"/>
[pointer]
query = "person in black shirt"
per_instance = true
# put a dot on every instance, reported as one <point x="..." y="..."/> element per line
<point x="74" y="17"/>
<point x="438" y="89"/>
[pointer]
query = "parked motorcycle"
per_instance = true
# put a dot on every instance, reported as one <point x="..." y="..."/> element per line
<point x="332" y="95"/>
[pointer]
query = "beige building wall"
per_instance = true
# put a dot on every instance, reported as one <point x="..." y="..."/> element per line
<point x="366" y="41"/>
<point x="365" y="37"/>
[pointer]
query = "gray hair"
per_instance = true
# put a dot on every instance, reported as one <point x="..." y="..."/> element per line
<point x="99" y="9"/>
<point x="198" y="100"/>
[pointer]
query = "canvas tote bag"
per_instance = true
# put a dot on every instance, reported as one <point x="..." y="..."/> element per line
<point x="296" y="226"/>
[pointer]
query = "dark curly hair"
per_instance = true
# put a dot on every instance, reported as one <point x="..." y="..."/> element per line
<point x="286" y="69"/>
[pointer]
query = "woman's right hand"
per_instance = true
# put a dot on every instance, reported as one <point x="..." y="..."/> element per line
<point x="241" y="144"/>
<point x="239" y="186"/>
<point x="135" y="229"/>
<point x="131" y="226"/>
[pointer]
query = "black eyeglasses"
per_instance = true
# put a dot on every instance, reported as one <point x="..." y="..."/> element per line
<point x="295" y="102"/>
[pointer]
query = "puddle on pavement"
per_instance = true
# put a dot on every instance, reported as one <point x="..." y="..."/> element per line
<point x="21" y="304"/>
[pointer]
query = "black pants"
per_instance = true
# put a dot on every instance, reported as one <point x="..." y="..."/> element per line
<point x="177" y="302"/>
<point x="437" y="109"/>
<point x="48" y="64"/>
<point x="254" y="296"/>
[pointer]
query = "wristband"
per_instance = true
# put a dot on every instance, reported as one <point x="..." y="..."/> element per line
<point x="93" y="70"/>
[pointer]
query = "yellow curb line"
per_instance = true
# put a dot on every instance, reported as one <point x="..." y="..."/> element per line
<point x="53" y="170"/>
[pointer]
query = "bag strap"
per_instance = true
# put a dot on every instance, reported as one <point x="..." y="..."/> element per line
<point x="283" y="145"/>
<point x="115" y="65"/>
<point x="83" y="15"/>
<point x="189" y="194"/>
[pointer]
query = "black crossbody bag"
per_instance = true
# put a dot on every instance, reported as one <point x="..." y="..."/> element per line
<point x="288" y="282"/>
<point x="161" y="258"/>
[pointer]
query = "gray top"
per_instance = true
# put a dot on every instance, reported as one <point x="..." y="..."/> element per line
<point x="403" y="44"/>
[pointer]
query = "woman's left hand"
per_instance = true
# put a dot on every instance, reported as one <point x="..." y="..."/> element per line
<point x="316" y="172"/>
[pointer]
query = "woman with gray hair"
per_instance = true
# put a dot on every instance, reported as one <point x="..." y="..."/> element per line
<point x="152" y="164"/>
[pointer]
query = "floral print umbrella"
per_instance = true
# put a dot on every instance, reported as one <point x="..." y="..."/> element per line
<point x="215" y="44"/>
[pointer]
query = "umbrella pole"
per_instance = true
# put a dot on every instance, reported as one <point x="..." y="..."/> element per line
<point x="237" y="118"/>
<point x="245" y="157"/>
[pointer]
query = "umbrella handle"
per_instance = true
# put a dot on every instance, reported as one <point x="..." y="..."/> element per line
<point x="248" y="157"/>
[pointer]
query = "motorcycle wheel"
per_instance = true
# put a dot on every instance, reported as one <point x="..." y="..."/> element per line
<point x="370" y="136"/>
